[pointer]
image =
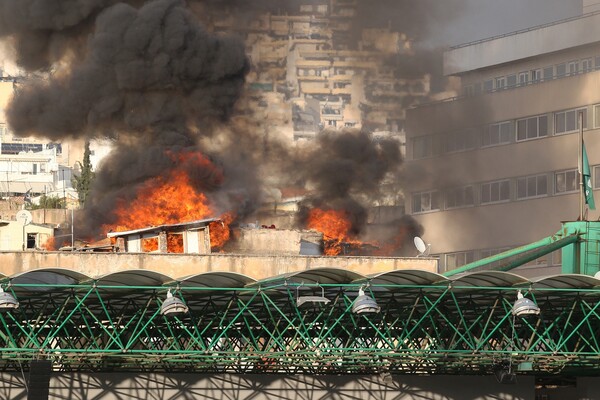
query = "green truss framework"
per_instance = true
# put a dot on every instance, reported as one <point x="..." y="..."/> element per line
<point x="421" y="329"/>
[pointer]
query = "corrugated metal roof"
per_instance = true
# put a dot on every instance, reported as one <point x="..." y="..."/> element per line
<point x="217" y="279"/>
<point x="490" y="279"/>
<point x="316" y="275"/>
<point x="395" y="280"/>
<point x="407" y="277"/>
<point x="137" y="277"/>
<point x="48" y="276"/>
<point x="163" y="227"/>
<point x="567" y="281"/>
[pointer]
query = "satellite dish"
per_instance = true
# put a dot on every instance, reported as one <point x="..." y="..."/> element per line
<point x="24" y="217"/>
<point x="421" y="246"/>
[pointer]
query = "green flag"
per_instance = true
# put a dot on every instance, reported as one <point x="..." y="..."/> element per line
<point x="587" y="181"/>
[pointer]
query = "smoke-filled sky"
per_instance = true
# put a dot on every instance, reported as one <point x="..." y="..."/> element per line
<point x="150" y="72"/>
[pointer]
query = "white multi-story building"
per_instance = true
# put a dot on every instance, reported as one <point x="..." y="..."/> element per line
<point x="496" y="167"/>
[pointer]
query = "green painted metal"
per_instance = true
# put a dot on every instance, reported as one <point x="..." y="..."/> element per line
<point x="521" y="255"/>
<point x="579" y="241"/>
<point x="584" y="256"/>
<point x="443" y="329"/>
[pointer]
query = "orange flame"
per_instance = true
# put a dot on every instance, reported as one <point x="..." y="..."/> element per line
<point x="335" y="226"/>
<point x="150" y="244"/>
<point x="220" y="232"/>
<point x="49" y="244"/>
<point x="171" y="199"/>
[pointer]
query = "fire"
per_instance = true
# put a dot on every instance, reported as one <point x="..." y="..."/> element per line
<point x="149" y="244"/>
<point x="49" y="244"/>
<point x="171" y="199"/>
<point x="220" y="232"/>
<point x="335" y="226"/>
<point x="163" y="201"/>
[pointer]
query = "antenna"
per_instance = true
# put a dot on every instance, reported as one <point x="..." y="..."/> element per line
<point x="422" y="248"/>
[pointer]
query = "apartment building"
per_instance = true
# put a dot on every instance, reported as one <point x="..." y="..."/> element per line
<point x="312" y="52"/>
<point x="496" y="167"/>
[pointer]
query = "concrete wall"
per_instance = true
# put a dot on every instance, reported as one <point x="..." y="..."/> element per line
<point x="515" y="222"/>
<point x="271" y="387"/>
<point x="269" y="241"/>
<point x="13" y="235"/>
<point x="510" y="48"/>
<point x="179" y="265"/>
<point x="52" y="216"/>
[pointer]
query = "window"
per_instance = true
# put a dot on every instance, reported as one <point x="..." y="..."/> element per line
<point x="460" y="197"/>
<point x="492" y="252"/>
<point x="493" y="192"/>
<point x="488" y="85"/>
<point x="597" y="177"/>
<point x="532" y="186"/>
<point x="597" y="62"/>
<point x="421" y="147"/>
<point x="536" y="75"/>
<point x="548" y="73"/>
<point x="455" y="260"/>
<point x="501" y="82"/>
<point x="468" y="90"/>
<point x="497" y="134"/>
<point x="477" y="88"/>
<point x="568" y="121"/>
<point x="532" y="128"/>
<point x="523" y="78"/>
<point x="597" y="116"/>
<point x="425" y="201"/>
<point x="511" y="80"/>
<point x="565" y="181"/>
<point x="561" y="70"/>
<point x="573" y="67"/>
<point x="459" y="141"/>
<point x="586" y="65"/>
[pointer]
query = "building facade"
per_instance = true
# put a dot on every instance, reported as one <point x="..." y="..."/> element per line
<point x="496" y="167"/>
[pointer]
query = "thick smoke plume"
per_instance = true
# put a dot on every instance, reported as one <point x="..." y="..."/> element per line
<point x="345" y="171"/>
<point x="151" y="76"/>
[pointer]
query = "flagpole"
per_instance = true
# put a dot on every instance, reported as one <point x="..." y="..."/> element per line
<point x="580" y="167"/>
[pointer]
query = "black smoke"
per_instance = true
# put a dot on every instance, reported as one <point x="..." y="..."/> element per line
<point x="345" y="171"/>
<point x="151" y="77"/>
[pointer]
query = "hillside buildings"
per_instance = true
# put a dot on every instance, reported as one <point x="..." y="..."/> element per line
<point x="496" y="167"/>
<point x="324" y="73"/>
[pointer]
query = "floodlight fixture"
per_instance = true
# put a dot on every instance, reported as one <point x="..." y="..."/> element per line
<point x="365" y="304"/>
<point x="524" y="306"/>
<point x="300" y="300"/>
<point x="7" y="301"/>
<point x="173" y="306"/>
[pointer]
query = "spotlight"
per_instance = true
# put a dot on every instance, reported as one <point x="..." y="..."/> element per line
<point x="386" y="378"/>
<point x="505" y="375"/>
<point x="524" y="306"/>
<point x="364" y="304"/>
<point x="300" y="300"/>
<point x="7" y="301"/>
<point x="173" y="306"/>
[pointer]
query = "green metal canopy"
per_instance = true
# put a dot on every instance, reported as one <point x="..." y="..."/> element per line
<point x="428" y="323"/>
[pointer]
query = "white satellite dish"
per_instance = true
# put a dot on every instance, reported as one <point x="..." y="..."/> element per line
<point x="421" y="246"/>
<point x="24" y="217"/>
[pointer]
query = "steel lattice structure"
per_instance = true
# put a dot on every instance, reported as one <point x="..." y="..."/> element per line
<point x="428" y="324"/>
